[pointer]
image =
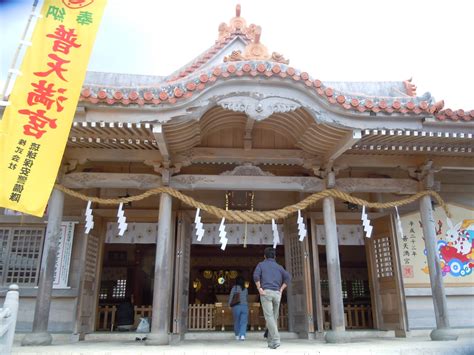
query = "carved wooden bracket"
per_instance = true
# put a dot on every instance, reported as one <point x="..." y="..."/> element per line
<point x="247" y="169"/>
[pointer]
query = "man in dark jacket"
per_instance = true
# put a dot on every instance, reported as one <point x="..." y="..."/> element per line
<point x="271" y="279"/>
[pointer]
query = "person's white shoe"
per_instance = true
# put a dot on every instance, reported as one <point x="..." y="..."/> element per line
<point x="237" y="337"/>
<point x="242" y="337"/>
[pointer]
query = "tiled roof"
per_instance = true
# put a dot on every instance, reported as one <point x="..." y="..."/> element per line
<point x="386" y="98"/>
<point x="170" y="93"/>
<point x="455" y="115"/>
<point x="201" y="60"/>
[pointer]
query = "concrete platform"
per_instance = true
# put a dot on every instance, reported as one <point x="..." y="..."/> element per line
<point x="360" y="345"/>
<point x="230" y="335"/>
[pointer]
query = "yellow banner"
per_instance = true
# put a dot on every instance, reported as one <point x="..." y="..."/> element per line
<point x="36" y="124"/>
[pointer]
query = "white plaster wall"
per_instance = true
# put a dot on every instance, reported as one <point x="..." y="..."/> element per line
<point x="421" y="310"/>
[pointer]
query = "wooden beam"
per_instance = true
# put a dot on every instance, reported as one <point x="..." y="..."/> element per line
<point x="161" y="141"/>
<point x="111" y="155"/>
<point x="398" y="186"/>
<point x="240" y="156"/>
<point x="457" y="188"/>
<point x="268" y="156"/>
<point x="403" y="161"/>
<point x="226" y="182"/>
<point x="248" y="133"/>
<point x="111" y="180"/>
<point x="344" y="144"/>
<point x="246" y="183"/>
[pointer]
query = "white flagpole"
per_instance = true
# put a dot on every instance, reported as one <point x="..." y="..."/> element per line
<point x="17" y="53"/>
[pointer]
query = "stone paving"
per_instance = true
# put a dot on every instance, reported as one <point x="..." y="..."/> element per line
<point x="360" y="346"/>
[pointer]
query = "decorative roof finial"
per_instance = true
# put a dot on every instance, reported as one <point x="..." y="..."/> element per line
<point x="254" y="50"/>
<point x="410" y="88"/>
<point x="258" y="33"/>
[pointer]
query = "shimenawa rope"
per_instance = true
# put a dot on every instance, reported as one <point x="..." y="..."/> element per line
<point x="258" y="216"/>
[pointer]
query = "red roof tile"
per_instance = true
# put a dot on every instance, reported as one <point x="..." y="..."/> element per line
<point x="184" y="90"/>
<point x="458" y="115"/>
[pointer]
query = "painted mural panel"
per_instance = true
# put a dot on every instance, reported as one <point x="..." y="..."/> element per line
<point x="455" y="246"/>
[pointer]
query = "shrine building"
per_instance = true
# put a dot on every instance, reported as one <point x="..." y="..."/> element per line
<point x="239" y="128"/>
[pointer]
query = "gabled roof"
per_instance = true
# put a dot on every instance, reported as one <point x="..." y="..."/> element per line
<point x="229" y="34"/>
<point x="239" y="53"/>
<point x="171" y="93"/>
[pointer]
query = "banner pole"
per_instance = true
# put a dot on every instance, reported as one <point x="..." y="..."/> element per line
<point x="17" y="53"/>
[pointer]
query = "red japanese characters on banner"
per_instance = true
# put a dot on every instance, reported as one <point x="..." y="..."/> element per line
<point x="35" y="126"/>
<point x="43" y="92"/>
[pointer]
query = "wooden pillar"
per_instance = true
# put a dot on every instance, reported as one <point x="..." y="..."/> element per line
<point x="442" y="331"/>
<point x="338" y="329"/>
<point x="40" y="335"/>
<point x="160" y="324"/>
<point x="77" y="331"/>
<point x="317" y="280"/>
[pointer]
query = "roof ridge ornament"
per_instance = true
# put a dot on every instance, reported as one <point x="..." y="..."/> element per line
<point x="238" y="22"/>
<point x="254" y="50"/>
<point x="410" y="88"/>
<point x="238" y="25"/>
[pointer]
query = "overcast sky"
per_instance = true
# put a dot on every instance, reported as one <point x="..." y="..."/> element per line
<point x="363" y="40"/>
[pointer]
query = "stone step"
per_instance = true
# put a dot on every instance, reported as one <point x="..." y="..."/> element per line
<point x="362" y="346"/>
<point x="64" y="338"/>
<point x="230" y="335"/>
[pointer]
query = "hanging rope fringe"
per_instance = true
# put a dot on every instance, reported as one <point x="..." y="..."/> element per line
<point x="258" y="216"/>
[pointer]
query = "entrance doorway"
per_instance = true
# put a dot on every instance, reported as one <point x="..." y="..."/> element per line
<point x="213" y="273"/>
<point x="127" y="273"/>
<point x="355" y="287"/>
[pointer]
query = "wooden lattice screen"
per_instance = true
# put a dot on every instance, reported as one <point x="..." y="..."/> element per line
<point x="20" y="255"/>
<point x="383" y="257"/>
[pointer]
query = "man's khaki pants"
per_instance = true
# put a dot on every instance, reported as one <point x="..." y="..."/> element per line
<point x="271" y="306"/>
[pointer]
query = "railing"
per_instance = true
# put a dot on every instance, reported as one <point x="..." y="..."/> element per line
<point x="355" y="317"/>
<point x="283" y="317"/>
<point x="201" y="316"/>
<point x="256" y="320"/>
<point x="142" y="312"/>
<point x="8" y="315"/>
<point x="106" y="316"/>
<point x="218" y="316"/>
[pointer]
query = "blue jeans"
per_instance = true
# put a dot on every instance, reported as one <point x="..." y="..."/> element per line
<point x="241" y="315"/>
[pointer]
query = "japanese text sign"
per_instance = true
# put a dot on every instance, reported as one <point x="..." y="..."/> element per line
<point x="36" y="124"/>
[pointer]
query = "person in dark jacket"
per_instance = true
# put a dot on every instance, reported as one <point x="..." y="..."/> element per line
<point x="271" y="279"/>
<point x="125" y="315"/>
<point x="240" y="311"/>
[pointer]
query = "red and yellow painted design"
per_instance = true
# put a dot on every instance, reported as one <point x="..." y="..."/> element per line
<point x="455" y="246"/>
<point x="36" y="124"/>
